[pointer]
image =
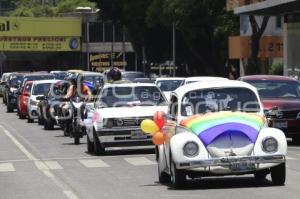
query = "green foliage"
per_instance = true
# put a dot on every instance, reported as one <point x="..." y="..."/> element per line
<point x="276" y="69"/>
<point x="202" y="30"/>
<point x="38" y="8"/>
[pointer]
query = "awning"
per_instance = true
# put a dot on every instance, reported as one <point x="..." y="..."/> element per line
<point x="270" y="7"/>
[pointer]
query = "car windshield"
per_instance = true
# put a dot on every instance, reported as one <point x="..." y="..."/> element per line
<point x="219" y="99"/>
<point x="168" y="85"/>
<point x="60" y="75"/>
<point x="41" y="89"/>
<point x="277" y="89"/>
<point x="15" y="80"/>
<point x="132" y="96"/>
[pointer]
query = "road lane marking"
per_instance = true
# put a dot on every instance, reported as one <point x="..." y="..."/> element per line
<point x="70" y="194"/>
<point x="7" y="167"/>
<point x="96" y="163"/>
<point x="41" y="166"/>
<point x="139" y="161"/>
<point x="53" y="165"/>
<point x="18" y="144"/>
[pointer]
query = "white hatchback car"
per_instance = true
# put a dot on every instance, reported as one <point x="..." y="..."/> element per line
<point x="219" y="128"/>
<point x="118" y="113"/>
<point x="39" y="88"/>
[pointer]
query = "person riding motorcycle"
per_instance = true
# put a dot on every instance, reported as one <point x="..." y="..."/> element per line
<point x="82" y="91"/>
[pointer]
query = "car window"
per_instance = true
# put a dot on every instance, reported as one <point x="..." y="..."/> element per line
<point x="277" y="89"/>
<point x="173" y="107"/>
<point x="132" y="96"/>
<point x="168" y="85"/>
<point x="219" y="99"/>
<point x="41" y="89"/>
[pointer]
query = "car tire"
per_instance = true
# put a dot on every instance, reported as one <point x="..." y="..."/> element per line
<point x="48" y="125"/>
<point x="178" y="177"/>
<point x="99" y="149"/>
<point x="29" y="119"/>
<point x="278" y="174"/>
<point x="40" y="121"/>
<point x="9" y="109"/>
<point x="76" y="139"/>
<point x="90" y="145"/>
<point x="21" y="116"/>
<point x="261" y="175"/>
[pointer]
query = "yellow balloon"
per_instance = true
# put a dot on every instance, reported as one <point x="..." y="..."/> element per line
<point x="149" y="126"/>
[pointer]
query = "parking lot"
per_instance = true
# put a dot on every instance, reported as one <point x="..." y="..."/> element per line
<point x="35" y="163"/>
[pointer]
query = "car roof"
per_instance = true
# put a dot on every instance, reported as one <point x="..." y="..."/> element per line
<point x="91" y="73"/>
<point x="51" y="81"/>
<point x="267" y="77"/>
<point x="129" y="85"/>
<point x="204" y="78"/>
<point x="38" y="74"/>
<point x="169" y="78"/>
<point x="213" y="84"/>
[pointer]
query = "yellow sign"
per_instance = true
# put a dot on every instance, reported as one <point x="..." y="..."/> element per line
<point x="40" y="27"/>
<point x="54" y="43"/>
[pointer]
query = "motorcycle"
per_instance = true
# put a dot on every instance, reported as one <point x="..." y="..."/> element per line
<point x="73" y="126"/>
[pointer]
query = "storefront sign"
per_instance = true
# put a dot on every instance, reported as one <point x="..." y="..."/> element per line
<point x="29" y="26"/>
<point x="270" y="47"/>
<point x="39" y="43"/>
<point x="102" y="61"/>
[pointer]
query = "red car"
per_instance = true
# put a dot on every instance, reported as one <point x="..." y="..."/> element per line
<point x="23" y="99"/>
<point x="281" y="100"/>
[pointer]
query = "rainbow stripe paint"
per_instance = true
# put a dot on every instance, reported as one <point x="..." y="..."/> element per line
<point x="208" y="127"/>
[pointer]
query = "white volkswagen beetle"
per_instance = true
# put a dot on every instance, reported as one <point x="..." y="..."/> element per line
<point x="119" y="110"/>
<point x="219" y="128"/>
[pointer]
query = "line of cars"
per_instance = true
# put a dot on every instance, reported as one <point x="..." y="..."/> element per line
<point x="214" y="126"/>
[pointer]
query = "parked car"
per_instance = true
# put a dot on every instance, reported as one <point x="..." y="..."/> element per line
<point x="119" y="110"/>
<point x="218" y="129"/>
<point x="169" y="84"/>
<point x="39" y="88"/>
<point x="202" y="79"/>
<point x="23" y="95"/>
<point x="15" y="80"/>
<point x="3" y="81"/>
<point x="281" y="100"/>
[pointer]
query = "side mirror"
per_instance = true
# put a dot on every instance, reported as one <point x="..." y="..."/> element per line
<point x="26" y="94"/>
<point x="16" y="86"/>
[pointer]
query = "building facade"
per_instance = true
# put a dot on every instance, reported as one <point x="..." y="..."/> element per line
<point x="289" y="11"/>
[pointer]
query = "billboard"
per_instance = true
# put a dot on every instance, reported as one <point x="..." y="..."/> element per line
<point x="39" y="34"/>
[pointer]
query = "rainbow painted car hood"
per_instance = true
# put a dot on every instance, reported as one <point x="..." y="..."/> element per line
<point x="209" y="126"/>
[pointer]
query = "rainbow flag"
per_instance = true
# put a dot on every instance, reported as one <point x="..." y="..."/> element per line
<point x="209" y="126"/>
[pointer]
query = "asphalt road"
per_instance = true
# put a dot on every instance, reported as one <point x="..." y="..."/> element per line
<point x="36" y="164"/>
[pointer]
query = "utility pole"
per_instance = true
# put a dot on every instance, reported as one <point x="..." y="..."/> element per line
<point x="174" y="49"/>
<point x="112" y="45"/>
<point x="88" y="42"/>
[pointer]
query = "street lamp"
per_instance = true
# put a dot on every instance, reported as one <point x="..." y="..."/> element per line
<point x="86" y="12"/>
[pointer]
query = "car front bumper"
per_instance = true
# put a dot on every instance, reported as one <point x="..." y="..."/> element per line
<point x="124" y="137"/>
<point x="230" y="161"/>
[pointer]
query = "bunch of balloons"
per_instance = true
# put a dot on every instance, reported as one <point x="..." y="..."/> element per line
<point x="154" y="127"/>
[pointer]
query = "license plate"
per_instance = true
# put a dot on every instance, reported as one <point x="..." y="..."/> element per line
<point x="280" y="125"/>
<point x="242" y="166"/>
<point x="137" y="135"/>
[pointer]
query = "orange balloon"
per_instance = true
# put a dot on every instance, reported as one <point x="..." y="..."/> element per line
<point x="158" y="138"/>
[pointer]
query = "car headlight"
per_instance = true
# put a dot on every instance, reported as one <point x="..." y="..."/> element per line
<point x="191" y="149"/>
<point x="270" y="145"/>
